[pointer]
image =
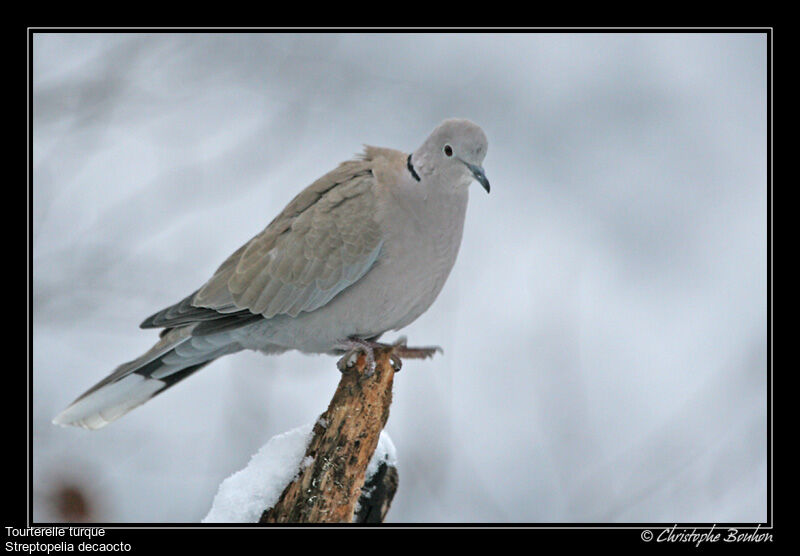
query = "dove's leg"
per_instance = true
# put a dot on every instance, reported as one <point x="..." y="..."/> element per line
<point x="399" y="350"/>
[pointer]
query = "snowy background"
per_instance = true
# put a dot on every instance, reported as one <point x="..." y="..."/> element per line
<point x="604" y="327"/>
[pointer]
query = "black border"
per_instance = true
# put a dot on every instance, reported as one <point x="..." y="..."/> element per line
<point x="142" y="534"/>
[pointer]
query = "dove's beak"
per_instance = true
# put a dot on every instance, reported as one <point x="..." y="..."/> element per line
<point x="479" y="175"/>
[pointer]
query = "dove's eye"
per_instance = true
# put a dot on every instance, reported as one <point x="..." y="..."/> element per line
<point x="448" y="150"/>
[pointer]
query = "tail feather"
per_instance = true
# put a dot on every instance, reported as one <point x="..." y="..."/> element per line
<point x="110" y="402"/>
<point x="176" y="356"/>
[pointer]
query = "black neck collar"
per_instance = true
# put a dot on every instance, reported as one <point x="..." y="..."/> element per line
<point x="411" y="168"/>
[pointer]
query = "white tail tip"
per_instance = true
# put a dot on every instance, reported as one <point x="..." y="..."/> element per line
<point x="109" y="402"/>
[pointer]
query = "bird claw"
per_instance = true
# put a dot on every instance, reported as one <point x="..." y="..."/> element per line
<point x="399" y="351"/>
<point x="396" y="362"/>
<point x="347" y="361"/>
<point x="354" y="346"/>
<point x="369" y="370"/>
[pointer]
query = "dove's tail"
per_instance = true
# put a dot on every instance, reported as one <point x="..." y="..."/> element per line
<point x="177" y="355"/>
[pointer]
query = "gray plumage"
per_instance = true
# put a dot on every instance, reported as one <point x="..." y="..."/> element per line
<point x="363" y="250"/>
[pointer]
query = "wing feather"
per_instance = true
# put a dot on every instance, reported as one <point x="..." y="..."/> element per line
<point x="324" y="241"/>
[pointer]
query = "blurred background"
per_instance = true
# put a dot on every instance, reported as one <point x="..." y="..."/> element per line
<point x="604" y="328"/>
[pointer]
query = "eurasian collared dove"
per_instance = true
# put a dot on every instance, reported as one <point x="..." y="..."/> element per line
<point x="363" y="250"/>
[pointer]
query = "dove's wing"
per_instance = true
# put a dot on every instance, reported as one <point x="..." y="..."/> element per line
<point x="325" y="240"/>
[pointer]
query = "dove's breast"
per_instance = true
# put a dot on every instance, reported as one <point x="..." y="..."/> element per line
<point x="425" y="262"/>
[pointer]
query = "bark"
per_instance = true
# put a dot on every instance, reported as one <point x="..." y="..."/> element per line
<point x="328" y="489"/>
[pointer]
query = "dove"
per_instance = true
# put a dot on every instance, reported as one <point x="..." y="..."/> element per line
<point x="363" y="250"/>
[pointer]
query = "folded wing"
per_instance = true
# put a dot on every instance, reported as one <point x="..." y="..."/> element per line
<point x="325" y="240"/>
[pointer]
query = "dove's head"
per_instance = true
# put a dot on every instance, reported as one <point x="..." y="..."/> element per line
<point x="454" y="151"/>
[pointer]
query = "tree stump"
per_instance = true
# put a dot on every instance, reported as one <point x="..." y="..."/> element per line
<point x="329" y="484"/>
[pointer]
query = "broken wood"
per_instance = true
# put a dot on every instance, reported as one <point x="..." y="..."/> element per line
<point x="328" y="488"/>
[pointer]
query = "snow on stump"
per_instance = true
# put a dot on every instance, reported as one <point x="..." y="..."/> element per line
<point x="334" y="467"/>
<point x="341" y="469"/>
<point x="243" y="497"/>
